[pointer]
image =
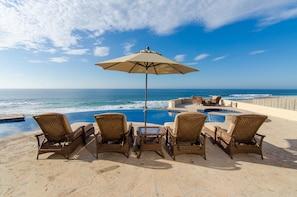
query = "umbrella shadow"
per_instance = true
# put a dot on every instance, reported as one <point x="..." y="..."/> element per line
<point x="87" y="153"/>
<point x="215" y="158"/>
<point x="280" y="157"/>
<point x="273" y="156"/>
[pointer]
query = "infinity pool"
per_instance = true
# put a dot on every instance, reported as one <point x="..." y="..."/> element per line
<point x="135" y="115"/>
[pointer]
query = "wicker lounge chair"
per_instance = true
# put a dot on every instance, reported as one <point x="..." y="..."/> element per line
<point x="58" y="135"/>
<point x="184" y="134"/>
<point x="114" y="133"/>
<point x="215" y="100"/>
<point x="197" y="100"/>
<point x="241" y="136"/>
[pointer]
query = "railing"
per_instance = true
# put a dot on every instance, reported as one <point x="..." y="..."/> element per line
<point x="262" y="109"/>
<point x="289" y="103"/>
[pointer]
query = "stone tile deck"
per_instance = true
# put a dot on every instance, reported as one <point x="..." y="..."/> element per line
<point x="190" y="175"/>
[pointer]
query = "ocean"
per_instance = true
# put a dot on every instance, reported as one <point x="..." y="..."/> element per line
<point x="33" y="101"/>
<point x="81" y="104"/>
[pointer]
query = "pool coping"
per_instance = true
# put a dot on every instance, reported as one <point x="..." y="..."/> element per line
<point x="11" y="118"/>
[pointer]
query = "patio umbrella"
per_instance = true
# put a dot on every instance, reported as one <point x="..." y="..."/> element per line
<point x="148" y="62"/>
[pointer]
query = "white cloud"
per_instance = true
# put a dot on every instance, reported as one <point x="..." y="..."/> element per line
<point x="192" y="63"/>
<point x="257" y="52"/>
<point x="31" y="24"/>
<point x="52" y="51"/>
<point x="35" y="61"/>
<point x="77" y="51"/>
<point x="101" y="51"/>
<point x="59" y="59"/>
<point x="179" y="58"/>
<point x="84" y="60"/>
<point x="201" y="56"/>
<point x="127" y="48"/>
<point x="281" y="15"/>
<point x="219" y="58"/>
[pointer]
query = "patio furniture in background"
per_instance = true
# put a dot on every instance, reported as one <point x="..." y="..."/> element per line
<point x="197" y="100"/>
<point x="213" y="101"/>
<point x="184" y="134"/>
<point x="58" y="135"/>
<point x="241" y="136"/>
<point x="114" y="133"/>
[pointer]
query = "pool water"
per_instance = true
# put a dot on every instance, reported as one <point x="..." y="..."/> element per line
<point x="225" y="111"/>
<point x="135" y="115"/>
<point x="220" y="117"/>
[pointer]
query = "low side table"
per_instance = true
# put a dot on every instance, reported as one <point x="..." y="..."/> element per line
<point x="151" y="139"/>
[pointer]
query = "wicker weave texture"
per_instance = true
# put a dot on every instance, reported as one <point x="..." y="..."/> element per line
<point x="114" y="134"/>
<point x="246" y="126"/>
<point x="188" y="126"/>
<point x="54" y="126"/>
<point x="112" y="126"/>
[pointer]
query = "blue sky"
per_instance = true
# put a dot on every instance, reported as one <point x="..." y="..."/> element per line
<point x="234" y="44"/>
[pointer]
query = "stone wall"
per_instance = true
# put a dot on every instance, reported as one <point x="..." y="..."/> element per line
<point x="261" y="109"/>
<point x="286" y="102"/>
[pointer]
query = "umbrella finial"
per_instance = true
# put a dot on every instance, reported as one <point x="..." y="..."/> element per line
<point x="147" y="50"/>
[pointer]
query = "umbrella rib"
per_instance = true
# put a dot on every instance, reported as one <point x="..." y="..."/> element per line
<point x="111" y="66"/>
<point x="176" y="69"/>
<point x="170" y="66"/>
<point x="154" y="67"/>
<point x="135" y="64"/>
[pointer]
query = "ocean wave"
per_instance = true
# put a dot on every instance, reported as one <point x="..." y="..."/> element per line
<point x="35" y="108"/>
<point x="33" y="102"/>
<point x="246" y="96"/>
<point x="19" y="103"/>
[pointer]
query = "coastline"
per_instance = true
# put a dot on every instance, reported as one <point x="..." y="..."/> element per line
<point x="189" y="175"/>
<point x="248" y="105"/>
<point x="34" y="101"/>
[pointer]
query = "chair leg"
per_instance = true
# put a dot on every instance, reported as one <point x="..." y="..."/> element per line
<point x="173" y="156"/>
<point x="127" y="154"/>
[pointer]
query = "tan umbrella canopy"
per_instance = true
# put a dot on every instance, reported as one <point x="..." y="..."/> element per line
<point x="148" y="62"/>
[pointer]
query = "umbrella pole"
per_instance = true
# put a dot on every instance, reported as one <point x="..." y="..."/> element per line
<point x="145" y="101"/>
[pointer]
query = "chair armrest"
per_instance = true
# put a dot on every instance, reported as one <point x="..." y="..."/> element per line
<point x="169" y="134"/>
<point x="261" y="138"/>
<point x="221" y="134"/>
<point x="75" y="134"/>
<point x="217" y="130"/>
<point x="39" y="135"/>
<point x="38" y="138"/>
<point x="88" y="127"/>
<point x="81" y="128"/>
<point x="204" y="138"/>
<point x="98" y="138"/>
<point x="170" y="131"/>
<point x="129" y="127"/>
<point x="129" y="132"/>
